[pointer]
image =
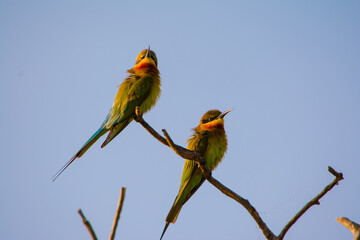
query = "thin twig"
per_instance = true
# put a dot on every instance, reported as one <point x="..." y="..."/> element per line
<point x="314" y="201"/>
<point x="191" y="155"/>
<point x="182" y="152"/>
<point x="118" y="211"/>
<point x="87" y="225"/>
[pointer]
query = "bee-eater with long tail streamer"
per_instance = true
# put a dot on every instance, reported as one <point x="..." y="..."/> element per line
<point x="141" y="88"/>
<point x="209" y="139"/>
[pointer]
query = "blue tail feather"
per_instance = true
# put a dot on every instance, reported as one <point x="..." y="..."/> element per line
<point x="82" y="150"/>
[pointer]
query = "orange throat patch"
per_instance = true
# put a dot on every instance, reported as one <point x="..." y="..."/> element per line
<point x="213" y="125"/>
<point x="143" y="65"/>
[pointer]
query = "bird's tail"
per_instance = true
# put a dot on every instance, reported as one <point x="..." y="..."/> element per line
<point x="186" y="191"/>
<point x="174" y="212"/>
<point x="166" y="226"/>
<point x="82" y="150"/>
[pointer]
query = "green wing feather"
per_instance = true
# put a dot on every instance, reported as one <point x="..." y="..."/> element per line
<point x="192" y="177"/>
<point x="123" y="111"/>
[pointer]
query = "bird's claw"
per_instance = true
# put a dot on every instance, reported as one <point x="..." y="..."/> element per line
<point x="138" y="114"/>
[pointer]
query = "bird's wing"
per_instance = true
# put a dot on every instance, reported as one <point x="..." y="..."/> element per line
<point x="137" y="93"/>
<point x="198" y="142"/>
<point x="186" y="191"/>
<point x="192" y="177"/>
<point x="120" y="98"/>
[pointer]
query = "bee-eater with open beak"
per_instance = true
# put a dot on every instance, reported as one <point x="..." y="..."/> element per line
<point x="141" y="88"/>
<point x="209" y="139"/>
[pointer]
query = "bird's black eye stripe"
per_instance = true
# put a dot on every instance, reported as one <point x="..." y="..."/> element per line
<point x="142" y="57"/>
<point x="208" y="120"/>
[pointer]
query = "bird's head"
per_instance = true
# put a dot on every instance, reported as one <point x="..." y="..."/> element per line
<point x="146" y="60"/>
<point x="212" y="120"/>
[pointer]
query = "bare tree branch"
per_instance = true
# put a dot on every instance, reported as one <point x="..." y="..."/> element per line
<point x="87" y="225"/>
<point x="138" y="118"/>
<point x="116" y="220"/>
<point x="315" y="200"/>
<point x="118" y="211"/>
<point x="352" y="226"/>
<point x="191" y="155"/>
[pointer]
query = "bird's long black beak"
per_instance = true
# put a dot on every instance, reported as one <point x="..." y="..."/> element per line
<point x="222" y="115"/>
<point x="148" y="52"/>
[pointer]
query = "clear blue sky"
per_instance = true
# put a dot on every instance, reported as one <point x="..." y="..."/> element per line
<point x="290" y="70"/>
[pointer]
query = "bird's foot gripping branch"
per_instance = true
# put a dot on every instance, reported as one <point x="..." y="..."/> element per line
<point x="194" y="156"/>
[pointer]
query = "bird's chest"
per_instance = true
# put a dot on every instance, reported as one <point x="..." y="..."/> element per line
<point x="153" y="93"/>
<point x="215" y="150"/>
